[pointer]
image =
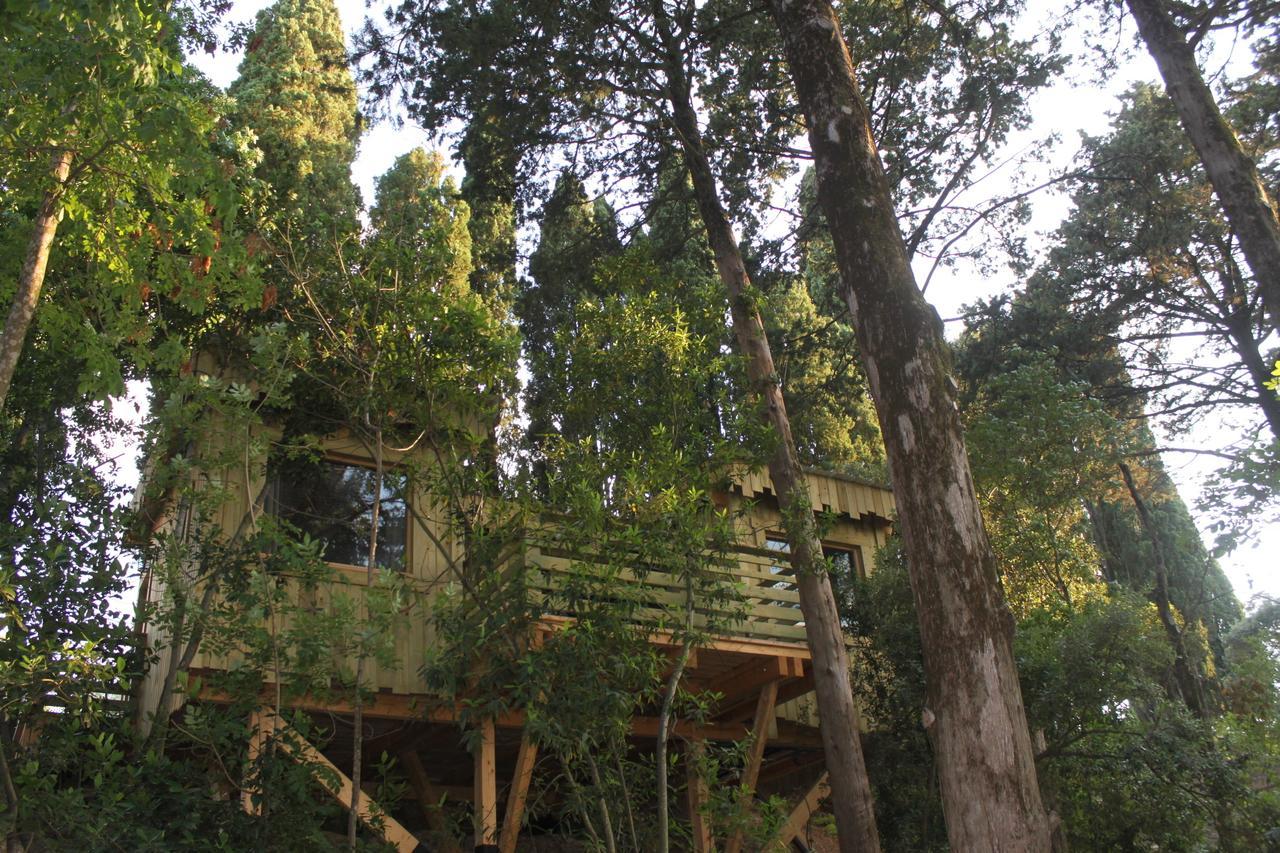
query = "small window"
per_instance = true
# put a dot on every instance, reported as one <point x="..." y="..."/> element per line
<point x="845" y="562"/>
<point x="779" y="546"/>
<point x="333" y="501"/>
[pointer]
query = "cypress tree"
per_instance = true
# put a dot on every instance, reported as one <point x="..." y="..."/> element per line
<point x="576" y="234"/>
<point x="420" y="225"/>
<point x="296" y="92"/>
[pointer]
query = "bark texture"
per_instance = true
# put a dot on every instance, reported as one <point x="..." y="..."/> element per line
<point x="31" y="279"/>
<point x="842" y="746"/>
<point x="1243" y="196"/>
<point x="975" y="717"/>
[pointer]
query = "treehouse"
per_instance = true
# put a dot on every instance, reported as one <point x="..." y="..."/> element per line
<point x="752" y="665"/>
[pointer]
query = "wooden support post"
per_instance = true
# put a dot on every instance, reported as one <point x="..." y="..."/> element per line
<point x="518" y="794"/>
<point x="486" y="790"/>
<point x="257" y="739"/>
<point x="800" y="815"/>
<point x="429" y="797"/>
<point x="703" y="842"/>
<point x="751" y="770"/>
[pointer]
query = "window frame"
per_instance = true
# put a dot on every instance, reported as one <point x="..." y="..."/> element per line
<point x="853" y="549"/>
<point x="336" y="457"/>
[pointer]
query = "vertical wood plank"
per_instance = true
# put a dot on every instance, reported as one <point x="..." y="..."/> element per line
<point x="429" y="802"/>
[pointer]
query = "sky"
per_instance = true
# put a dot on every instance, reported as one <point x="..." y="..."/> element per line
<point x="1079" y="102"/>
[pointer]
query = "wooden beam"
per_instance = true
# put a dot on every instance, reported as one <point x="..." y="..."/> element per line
<point x="703" y="841"/>
<point x="518" y="795"/>
<point x="387" y="706"/>
<point x="800" y="815"/>
<point x="429" y="798"/>
<point x="382" y="706"/>
<point x="383" y="824"/>
<point x="801" y="738"/>
<point x="792" y="688"/>
<point x="751" y="770"/>
<point x="486" y="789"/>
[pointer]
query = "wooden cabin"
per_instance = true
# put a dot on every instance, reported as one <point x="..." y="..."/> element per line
<point x="759" y="667"/>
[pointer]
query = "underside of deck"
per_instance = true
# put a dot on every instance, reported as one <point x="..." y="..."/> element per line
<point x="755" y="689"/>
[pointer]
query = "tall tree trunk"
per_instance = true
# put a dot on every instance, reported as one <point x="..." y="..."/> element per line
<point x="842" y="746"/>
<point x="1189" y="683"/>
<point x="1243" y="196"/>
<point x="1240" y="332"/>
<point x="357" y="741"/>
<point x="664" y="720"/>
<point x="31" y="279"/>
<point x="975" y="716"/>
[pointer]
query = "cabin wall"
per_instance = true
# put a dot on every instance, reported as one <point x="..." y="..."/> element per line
<point x="431" y="550"/>
<point x="857" y="514"/>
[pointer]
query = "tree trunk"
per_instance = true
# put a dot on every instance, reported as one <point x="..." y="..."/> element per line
<point x="1185" y="673"/>
<point x="975" y="716"/>
<point x="842" y="747"/>
<point x="1240" y="333"/>
<point x="31" y="279"/>
<point x="1240" y="191"/>
<point x="664" y="721"/>
<point x="357" y="737"/>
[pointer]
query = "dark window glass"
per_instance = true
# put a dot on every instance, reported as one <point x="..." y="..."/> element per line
<point x="846" y="563"/>
<point x="333" y="502"/>
<point x="782" y="567"/>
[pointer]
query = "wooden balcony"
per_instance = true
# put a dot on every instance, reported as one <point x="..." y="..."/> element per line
<point x="762" y="611"/>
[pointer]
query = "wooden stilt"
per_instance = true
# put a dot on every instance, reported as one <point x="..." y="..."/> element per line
<point x="257" y="739"/>
<point x="429" y="797"/>
<point x="800" y="815"/>
<point x="751" y="770"/>
<point x="703" y="842"/>
<point x="518" y="794"/>
<point x="486" y="788"/>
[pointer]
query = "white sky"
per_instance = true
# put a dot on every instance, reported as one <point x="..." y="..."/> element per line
<point x="1076" y="103"/>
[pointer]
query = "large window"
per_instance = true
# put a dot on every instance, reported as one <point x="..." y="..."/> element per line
<point x="845" y="562"/>
<point x="333" y="502"/>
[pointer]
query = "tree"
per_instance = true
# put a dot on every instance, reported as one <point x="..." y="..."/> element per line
<point x="1146" y="255"/>
<point x="991" y="797"/>
<point x="1233" y="172"/>
<point x="108" y="130"/>
<point x="577" y="236"/>
<point x="1099" y="420"/>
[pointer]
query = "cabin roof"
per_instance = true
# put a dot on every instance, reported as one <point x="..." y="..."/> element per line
<point x="829" y="492"/>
